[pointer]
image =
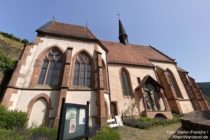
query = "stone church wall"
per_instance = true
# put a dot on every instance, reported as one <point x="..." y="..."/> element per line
<point x="172" y="67"/>
<point x="20" y="98"/>
<point x="185" y="104"/>
<point x="25" y="100"/>
<point x="82" y="97"/>
<point x="44" y="44"/>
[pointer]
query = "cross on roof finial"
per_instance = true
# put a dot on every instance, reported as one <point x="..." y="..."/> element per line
<point x="86" y="24"/>
<point x="118" y="14"/>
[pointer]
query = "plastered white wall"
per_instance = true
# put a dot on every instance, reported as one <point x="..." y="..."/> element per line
<point x="27" y="95"/>
<point x="47" y="42"/>
<point x="186" y="106"/>
<point x="82" y="97"/>
<point x="172" y="67"/>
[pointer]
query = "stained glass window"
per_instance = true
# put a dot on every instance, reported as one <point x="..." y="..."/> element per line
<point x="51" y="69"/>
<point x="125" y="83"/>
<point x="82" y="71"/>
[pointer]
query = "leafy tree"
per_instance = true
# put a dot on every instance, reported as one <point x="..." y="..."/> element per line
<point x="25" y="41"/>
<point x="6" y="63"/>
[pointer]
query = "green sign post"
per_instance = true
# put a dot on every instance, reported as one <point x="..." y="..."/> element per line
<point x="73" y="123"/>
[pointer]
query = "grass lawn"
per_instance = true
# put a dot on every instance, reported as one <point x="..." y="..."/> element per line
<point x="154" y="133"/>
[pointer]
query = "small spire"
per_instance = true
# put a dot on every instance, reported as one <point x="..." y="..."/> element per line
<point x="53" y="18"/>
<point x="123" y="37"/>
<point x="118" y="15"/>
<point x="86" y="24"/>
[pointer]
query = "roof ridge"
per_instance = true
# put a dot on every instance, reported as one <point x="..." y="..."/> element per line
<point x="85" y="27"/>
<point x="65" y="24"/>
<point x="131" y="45"/>
<point x="161" y="53"/>
<point x="46" y="28"/>
<point x="45" y="25"/>
<point x="71" y="24"/>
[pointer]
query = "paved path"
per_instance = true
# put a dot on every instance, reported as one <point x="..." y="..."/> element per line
<point x="154" y="133"/>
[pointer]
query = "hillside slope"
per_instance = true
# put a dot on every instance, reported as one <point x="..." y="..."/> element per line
<point x="10" y="49"/>
<point x="205" y="87"/>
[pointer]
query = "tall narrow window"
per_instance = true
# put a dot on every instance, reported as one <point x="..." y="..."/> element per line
<point x="139" y="80"/>
<point x="82" y="71"/>
<point x="125" y="83"/>
<point x="51" y="68"/>
<point x="172" y="82"/>
<point x="104" y="76"/>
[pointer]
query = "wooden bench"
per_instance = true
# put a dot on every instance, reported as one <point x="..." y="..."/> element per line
<point x="116" y="122"/>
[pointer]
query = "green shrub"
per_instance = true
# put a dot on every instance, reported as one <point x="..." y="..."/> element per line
<point x="6" y="63"/>
<point x="12" y="119"/>
<point x="45" y="131"/>
<point x="15" y="134"/>
<point x="145" y="122"/>
<point x="27" y="134"/>
<point x="143" y="125"/>
<point x="106" y="133"/>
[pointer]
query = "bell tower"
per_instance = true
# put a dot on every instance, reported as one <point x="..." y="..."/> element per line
<point x="123" y="37"/>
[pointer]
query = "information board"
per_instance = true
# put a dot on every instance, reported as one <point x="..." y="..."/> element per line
<point x="74" y="122"/>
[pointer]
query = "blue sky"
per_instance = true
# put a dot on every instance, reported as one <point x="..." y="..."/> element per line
<point x="179" y="28"/>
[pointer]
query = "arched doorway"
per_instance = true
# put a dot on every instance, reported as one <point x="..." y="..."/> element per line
<point x="160" y="116"/>
<point x="38" y="110"/>
<point x="38" y="113"/>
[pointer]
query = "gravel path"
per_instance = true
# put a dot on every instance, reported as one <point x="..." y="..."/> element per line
<point x="154" y="133"/>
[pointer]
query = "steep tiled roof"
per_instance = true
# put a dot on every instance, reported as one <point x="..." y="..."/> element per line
<point x="134" y="54"/>
<point x="118" y="53"/>
<point x="181" y="70"/>
<point x="68" y="30"/>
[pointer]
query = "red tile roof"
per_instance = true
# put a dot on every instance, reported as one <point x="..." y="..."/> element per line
<point x="118" y="53"/>
<point x="69" y="30"/>
<point x="134" y="54"/>
<point x="181" y="70"/>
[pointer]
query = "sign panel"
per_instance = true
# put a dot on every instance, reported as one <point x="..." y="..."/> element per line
<point x="73" y="122"/>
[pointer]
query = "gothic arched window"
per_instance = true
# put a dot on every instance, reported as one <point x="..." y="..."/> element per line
<point x="82" y="71"/>
<point x="172" y="82"/>
<point x="51" y="68"/>
<point x="125" y="80"/>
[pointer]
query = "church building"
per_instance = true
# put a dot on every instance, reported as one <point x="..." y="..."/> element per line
<point x="116" y="78"/>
